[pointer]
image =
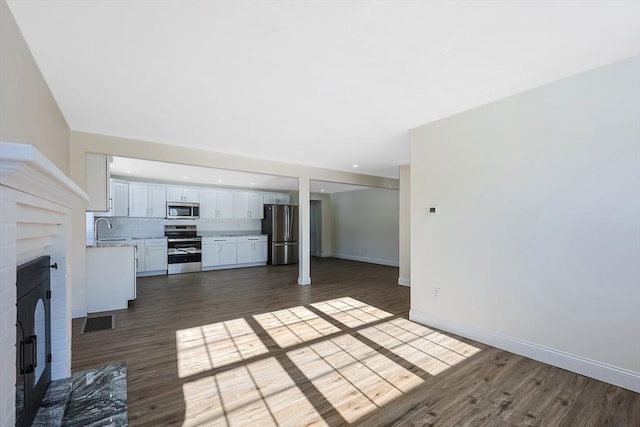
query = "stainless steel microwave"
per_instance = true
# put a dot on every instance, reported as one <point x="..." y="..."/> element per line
<point x="182" y="210"/>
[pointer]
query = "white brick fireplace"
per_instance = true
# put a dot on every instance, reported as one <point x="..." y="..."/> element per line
<point x="36" y="200"/>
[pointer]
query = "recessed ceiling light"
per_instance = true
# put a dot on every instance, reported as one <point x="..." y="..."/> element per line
<point x="185" y="177"/>
<point x="355" y="166"/>
<point x="253" y="183"/>
<point x="219" y="180"/>
<point x="128" y="171"/>
<point x="322" y="190"/>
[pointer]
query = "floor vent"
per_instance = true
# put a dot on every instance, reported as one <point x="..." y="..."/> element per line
<point x="100" y="323"/>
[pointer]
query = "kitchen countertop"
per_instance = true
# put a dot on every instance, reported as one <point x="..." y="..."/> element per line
<point x="118" y="241"/>
<point x="229" y="234"/>
<point x="110" y="242"/>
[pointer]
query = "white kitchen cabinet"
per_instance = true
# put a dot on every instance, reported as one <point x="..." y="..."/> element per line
<point x="252" y="250"/>
<point x="119" y="198"/>
<point x="219" y="252"/>
<point x="248" y="205"/>
<point x="155" y="255"/>
<point x="183" y="194"/>
<point x="138" y="199"/>
<point x="111" y="278"/>
<point x="216" y="204"/>
<point x="97" y="182"/>
<point x="157" y="201"/>
<point x="140" y="258"/>
<point x="147" y="200"/>
<point x="277" y="198"/>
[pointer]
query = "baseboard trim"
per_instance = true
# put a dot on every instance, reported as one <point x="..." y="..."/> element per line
<point x="600" y="371"/>
<point x="404" y="282"/>
<point x="369" y="260"/>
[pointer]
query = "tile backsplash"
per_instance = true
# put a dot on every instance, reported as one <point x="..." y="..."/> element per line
<point x="154" y="227"/>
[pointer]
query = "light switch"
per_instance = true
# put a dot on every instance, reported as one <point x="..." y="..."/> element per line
<point x="433" y="210"/>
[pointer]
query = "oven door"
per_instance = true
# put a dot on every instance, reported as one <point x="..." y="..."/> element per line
<point x="184" y="256"/>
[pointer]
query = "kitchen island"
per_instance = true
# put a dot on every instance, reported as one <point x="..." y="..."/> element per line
<point x="111" y="276"/>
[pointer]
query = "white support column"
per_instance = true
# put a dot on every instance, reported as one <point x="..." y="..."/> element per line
<point x="304" y="253"/>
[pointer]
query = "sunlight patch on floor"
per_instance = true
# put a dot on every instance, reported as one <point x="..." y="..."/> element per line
<point x="343" y="359"/>
<point x="352" y="376"/>
<point x="351" y="312"/>
<point x="294" y="326"/>
<point x="259" y="393"/>
<point x="203" y="348"/>
<point x="431" y="351"/>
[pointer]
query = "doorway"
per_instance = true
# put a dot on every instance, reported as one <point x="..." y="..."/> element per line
<point x="315" y="223"/>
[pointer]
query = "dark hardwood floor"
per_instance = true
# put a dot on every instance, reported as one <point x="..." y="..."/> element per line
<point x="251" y="347"/>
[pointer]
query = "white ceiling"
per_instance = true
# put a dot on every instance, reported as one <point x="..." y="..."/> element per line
<point x="325" y="83"/>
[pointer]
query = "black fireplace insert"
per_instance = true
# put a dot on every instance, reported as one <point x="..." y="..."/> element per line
<point x="33" y="338"/>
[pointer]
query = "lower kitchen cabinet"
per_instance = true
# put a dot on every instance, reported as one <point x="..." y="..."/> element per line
<point x="151" y="257"/>
<point x="219" y="252"/>
<point x="252" y="250"/>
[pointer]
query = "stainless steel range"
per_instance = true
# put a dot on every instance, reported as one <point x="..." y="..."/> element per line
<point x="184" y="248"/>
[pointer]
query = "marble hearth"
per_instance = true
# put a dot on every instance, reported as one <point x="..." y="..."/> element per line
<point x="95" y="397"/>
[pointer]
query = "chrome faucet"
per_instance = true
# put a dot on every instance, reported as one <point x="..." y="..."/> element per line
<point x="95" y="228"/>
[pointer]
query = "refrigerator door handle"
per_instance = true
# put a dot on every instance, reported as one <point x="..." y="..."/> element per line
<point x="290" y="226"/>
<point x="286" y="223"/>
<point x="278" y="245"/>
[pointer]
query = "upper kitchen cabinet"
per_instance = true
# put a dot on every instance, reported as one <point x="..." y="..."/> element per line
<point x="248" y="205"/>
<point x="97" y="182"/>
<point x="216" y="204"/>
<point x="183" y="194"/>
<point x="277" y="198"/>
<point x="119" y="198"/>
<point x="147" y="200"/>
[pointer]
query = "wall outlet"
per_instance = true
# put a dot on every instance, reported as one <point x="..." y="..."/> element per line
<point x="436" y="291"/>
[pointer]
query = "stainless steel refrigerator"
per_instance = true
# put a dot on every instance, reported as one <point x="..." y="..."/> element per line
<point x="281" y="224"/>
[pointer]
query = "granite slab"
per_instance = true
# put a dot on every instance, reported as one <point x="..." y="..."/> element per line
<point x="97" y="397"/>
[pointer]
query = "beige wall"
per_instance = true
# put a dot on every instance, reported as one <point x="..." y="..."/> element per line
<point x="535" y="248"/>
<point x="404" y="251"/>
<point x="83" y="142"/>
<point x="365" y="225"/>
<point x="28" y="112"/>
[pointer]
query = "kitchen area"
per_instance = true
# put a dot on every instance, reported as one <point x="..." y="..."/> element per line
<point x="158" y="228"/>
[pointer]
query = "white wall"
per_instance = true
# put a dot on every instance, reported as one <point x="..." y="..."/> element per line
<point x="365" y="225"/>
<point x="537" y="245"/>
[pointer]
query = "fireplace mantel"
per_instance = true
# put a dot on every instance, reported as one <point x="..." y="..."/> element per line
<point x="36" y="202"/>
<point x="24" y="168"/>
